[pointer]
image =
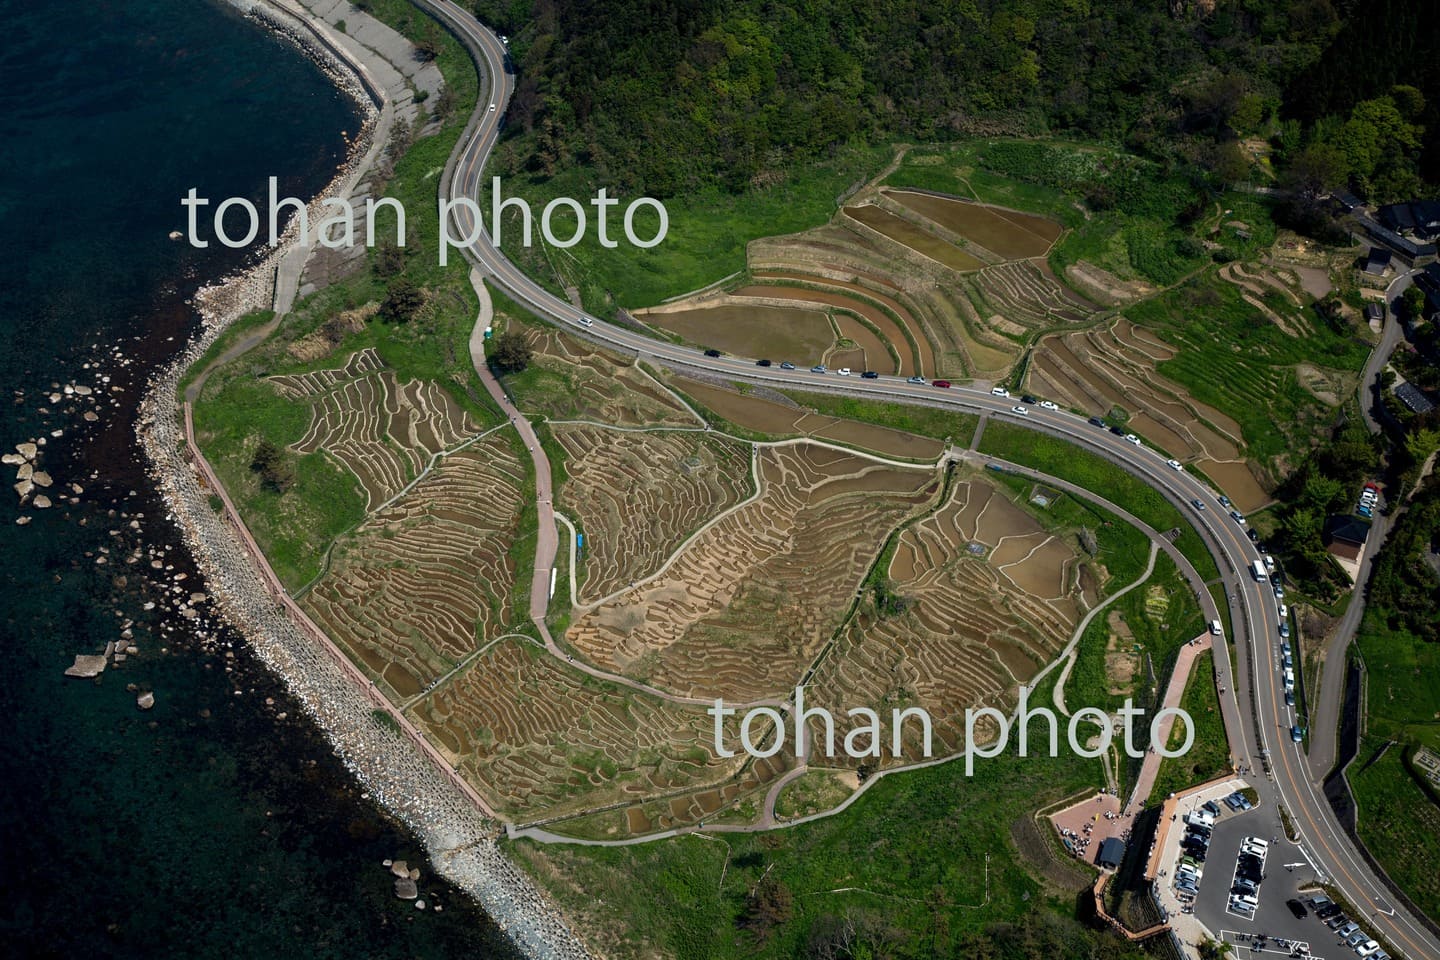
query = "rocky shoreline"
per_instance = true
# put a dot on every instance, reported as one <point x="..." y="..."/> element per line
<point x="461" y="841"/>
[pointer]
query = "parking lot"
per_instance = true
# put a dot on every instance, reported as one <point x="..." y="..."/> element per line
<point x="1285" y="870"/>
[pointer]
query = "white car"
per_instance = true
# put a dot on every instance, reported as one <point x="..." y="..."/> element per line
<point x="1048" y="405"/>
<point x="1284" y="611"/>
<point x="1368" y="948"/>
<point x="492" y="108"/>
<point x="843" y="371"/>
<point x="1131" y="438"/>
<point x="999" y="392"/>
<point x="586" y="322"/>
<point x="1019" y="410"/>
<point x="1174" y="464"/>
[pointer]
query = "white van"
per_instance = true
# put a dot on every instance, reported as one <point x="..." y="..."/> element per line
<point x="999" y="392"/>
<point x="586" y="322"/>
<point x="1215" y="629"/>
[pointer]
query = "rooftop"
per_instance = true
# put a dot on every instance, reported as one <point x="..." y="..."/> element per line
<point x="1410" y="395"/>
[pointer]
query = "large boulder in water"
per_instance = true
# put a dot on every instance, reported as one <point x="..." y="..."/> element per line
<point x="86" y="665"/>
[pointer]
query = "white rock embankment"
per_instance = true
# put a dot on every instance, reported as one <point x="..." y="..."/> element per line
<point x="459" y="839"/>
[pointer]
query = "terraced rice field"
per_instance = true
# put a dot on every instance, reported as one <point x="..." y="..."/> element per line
<point x="1103" y="368"/>
<point x="906" y="234"/>
<point x="541" y="740"/>
<point x="637" y="496"/>
<point x="948" y="289"/>
<point x="903" y="347"/>
<point x="788" y="420"/>
<point x="1024" y="294"/>
<point x="747" y="329"/>
<point x="749" y="601"/>
<point x="383" y="431"/>
<point x="993" y="597"/>
<point x="569" y="379"/>
<point x="427" y="580"/>
<point x="1008" y="234"/>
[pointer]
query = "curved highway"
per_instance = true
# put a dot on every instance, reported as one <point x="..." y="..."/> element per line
<point x="1254" y="614"/>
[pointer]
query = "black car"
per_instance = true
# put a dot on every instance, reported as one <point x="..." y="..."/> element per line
<point x="1028" y="399"/>
<point x="1096" y="422"/>
<point x="762" y="363"/>
<point x="712" y="352"/>
<point x="1118" y="431"/>
<point x="1327" y="911"/>
<point x="1254" y="537"/>
<point x="1297" y="908"/>
<point x="869" y="375"/>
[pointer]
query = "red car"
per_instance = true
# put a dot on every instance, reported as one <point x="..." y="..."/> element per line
<point x="942" y="384"/>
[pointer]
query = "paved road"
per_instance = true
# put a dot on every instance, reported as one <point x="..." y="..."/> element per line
<point x="1255" y="618"/>
<point x="1325" y="703"/>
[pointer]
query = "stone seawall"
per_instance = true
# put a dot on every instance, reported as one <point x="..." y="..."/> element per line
<point x="461" y="841"/>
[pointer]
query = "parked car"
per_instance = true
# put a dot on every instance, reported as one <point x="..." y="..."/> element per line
<point x="1211" y="807"/>
<point x="869" y="375"/>
<point x="1096" y="422"/>
<point x="1297" y="734"/>
<point x="762" y="363"/>
<point x="712" y="352"/>
<point x="1297" y="908"/>
<point x="1289" y="698"/>
<point x="1117" y="431"/>
<point x="1028" y="399"/>
<point x="942" y="384"/>
<point x="786" y="365"/>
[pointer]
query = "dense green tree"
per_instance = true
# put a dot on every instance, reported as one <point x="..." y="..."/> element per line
<point x="403" y="299"/>
<point x="509" y="353"/>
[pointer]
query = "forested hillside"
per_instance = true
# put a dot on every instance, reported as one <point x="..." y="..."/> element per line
<point x="667" y="96"/>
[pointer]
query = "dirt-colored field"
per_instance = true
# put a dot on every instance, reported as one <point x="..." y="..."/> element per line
<point x="1026" y="294"/>
<point x="748" y="329"/>
<point x="783" y="420"/>
<point x="907" y="234"/>
<point x="540" y="740"/>
<point x="877" y="354"/>
<point x="425" y="581"/>
<point x="751" y="599"/>
<point x="1007" y="233"/>
<point x="934" y="305"/>
<point x="752" y="413"/>
<point x="384" y="431"/>
<point x="570" y="379"/>
<point x="992" y="596"/>
<point x="1101" y="369"/>
<point x="638" y="495"/>
<point x="879" y="310"/>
